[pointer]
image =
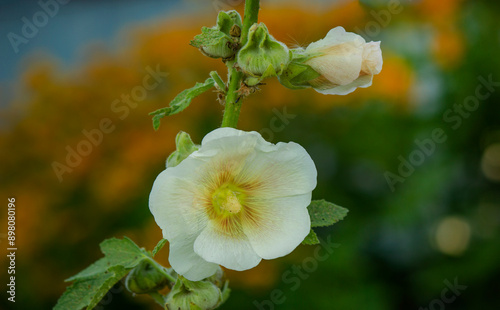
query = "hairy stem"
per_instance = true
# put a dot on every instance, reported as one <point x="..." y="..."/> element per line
<point x="251" y="17"/>
<point x="162" y="270"/>
<point x="233" y="102"/>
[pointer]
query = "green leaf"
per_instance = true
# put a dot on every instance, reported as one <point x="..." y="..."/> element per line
<point x="89" y="291"/>
<point x="96" y="268"/>
<point x="324" y="213"/>
<point x="122" y="252"/>
<point x="311" y="239"/>
<point x="92" y="283"/>
<point x="208" y="37"/>
<point x="118" y="274"/>
<point x="181" y="101"/>
<point x="159" y="246"/>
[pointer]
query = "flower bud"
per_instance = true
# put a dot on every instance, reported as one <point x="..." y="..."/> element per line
<point x="230" y="24"/>
<point x="145" y="278"/>
<point x="343" y="62"/>
<point x="185" y="147"/>
<point x="218" y="278"/>
<point x="188" y="295"/>
<point x="262" y="56"/>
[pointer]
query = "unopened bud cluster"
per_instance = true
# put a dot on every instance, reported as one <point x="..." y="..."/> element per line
<point x="335" y="65"/>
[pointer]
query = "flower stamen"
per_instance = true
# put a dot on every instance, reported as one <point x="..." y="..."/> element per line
<point x="228" y="199"/>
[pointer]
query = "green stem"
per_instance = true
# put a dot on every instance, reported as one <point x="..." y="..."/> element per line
<point x="161" y="269"/>
<point x="251" y="17"/>
<point x="233" y="104"/>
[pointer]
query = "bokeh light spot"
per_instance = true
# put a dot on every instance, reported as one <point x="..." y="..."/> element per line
<point x="452" y="235"/>
<point x="490" y="163"/>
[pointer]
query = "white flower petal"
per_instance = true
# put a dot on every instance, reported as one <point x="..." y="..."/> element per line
<point x="173" y="203"/>
<point x="173" y="200"/>
<point x="372" y="58"/>
<point x="221" y="133"/>
<point x="226" y="132"/>
<point x="363" y="82"/>
<point x="335" y="36"/>
<point x="343" y="60"/>
<point x="288" y="170"/>
<point x="278" y="225"/>
<point x="340" y="56"/>
<point x="187" y="263"/>
<point x="230" y="139"/>
<point x="341" y="64"/>
<point x="233" y="252"/>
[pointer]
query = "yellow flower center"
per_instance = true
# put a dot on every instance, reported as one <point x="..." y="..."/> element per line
<point x="228" y="199"/>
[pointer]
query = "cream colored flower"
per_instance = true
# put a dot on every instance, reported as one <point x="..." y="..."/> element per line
<point x="235" y="201"/>
<point x="345" y="62"/>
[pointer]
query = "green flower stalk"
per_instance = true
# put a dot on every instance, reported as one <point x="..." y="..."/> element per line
<point x="235" y="199"/>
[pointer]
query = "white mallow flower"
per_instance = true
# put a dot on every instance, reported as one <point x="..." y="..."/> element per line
<point x="345" y="62"/>
<point x="235" y="201"/>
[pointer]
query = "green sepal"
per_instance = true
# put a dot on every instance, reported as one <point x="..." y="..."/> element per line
<point x="147" y="277"/>
<point x="189" y="295"/>
<point x="159" y="246"/>
<point x="185" y="147"/>
<point x="181" y="101"/>
<point x="260" y="52"/>
<point x="293" y="70"/>
<point x="305" y="76"/>
<point x="227" y="19"/>
<point x="226" y="292"/>
<point x="254" y="80"/>
<point x="298" y="74"/>
<point x="209" y="37"/>
<point x="299" y="55"/>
